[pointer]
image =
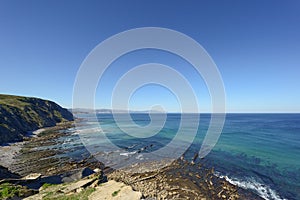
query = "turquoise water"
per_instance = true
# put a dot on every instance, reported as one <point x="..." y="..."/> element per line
<point x="259" y="152"/>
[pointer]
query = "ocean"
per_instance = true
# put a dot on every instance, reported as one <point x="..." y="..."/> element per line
<point x="258" y="152"/>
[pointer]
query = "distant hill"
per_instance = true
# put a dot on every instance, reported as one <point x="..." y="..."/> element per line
<point x="18" y="115"/>
<point x="109" y="111"/>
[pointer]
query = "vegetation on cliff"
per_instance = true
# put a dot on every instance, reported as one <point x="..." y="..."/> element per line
<point x="18" y="115"/>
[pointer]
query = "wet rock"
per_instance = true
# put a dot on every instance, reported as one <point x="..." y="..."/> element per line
<point x="75" y="175"/>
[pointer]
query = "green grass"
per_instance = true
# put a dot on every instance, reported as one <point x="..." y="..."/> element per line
<point x="47" y="185"/>
<point x="78" y="196"/>
<point x="15" y="101"/>
<point x="21" y="114"/>
<point x="8" y="190"/>
<point x="115" y="193"/>
<point x="49" y="195"/>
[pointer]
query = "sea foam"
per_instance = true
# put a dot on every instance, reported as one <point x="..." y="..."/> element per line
<point x="261" y="189"/>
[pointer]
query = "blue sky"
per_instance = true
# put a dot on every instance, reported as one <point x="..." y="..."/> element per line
<point x="255" y="44"/>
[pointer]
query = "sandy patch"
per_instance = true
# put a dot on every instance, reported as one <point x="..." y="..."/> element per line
<point x="8" y="152"/>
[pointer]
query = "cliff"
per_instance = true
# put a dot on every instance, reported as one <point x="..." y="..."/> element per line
<point x="18" y="115"/>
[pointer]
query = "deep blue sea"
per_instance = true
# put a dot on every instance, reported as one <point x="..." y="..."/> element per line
<point x="258" y="152"/>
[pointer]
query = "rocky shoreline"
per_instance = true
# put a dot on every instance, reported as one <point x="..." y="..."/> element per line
<point x="180" y="180"/>
<point x="49" y="161"/>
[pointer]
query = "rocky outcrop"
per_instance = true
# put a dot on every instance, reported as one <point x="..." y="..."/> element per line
<point x="115" y="190"/>
<point x="93" y="187"/>
<point x="180" y="180"/>
<point x="18" y="115"/>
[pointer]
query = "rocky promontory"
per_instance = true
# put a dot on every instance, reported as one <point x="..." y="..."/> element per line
<point x="19" y="115"/>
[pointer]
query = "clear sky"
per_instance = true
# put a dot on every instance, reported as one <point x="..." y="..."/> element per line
<point x="255" y="44"/>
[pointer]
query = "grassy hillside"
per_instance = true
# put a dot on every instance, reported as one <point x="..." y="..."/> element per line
<point x="18" y="115"/>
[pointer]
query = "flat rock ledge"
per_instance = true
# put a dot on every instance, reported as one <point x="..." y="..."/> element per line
<point x="88" y="188"/>
<point x="115" y="190"/>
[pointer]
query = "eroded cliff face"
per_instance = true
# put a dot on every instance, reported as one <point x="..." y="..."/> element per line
<point x="18" y="115"/>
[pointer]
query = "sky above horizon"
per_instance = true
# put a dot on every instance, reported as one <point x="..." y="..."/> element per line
<point x="255" y="45"/>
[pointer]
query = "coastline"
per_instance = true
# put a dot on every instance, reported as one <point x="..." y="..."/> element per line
<point x="181" y="179"/>
<point x="9" y="151"/>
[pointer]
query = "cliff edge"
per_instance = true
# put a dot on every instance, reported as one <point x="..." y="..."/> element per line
<point x="18" y="115"/>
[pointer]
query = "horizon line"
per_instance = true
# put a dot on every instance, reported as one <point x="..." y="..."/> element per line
<point x="119" y="111"/>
